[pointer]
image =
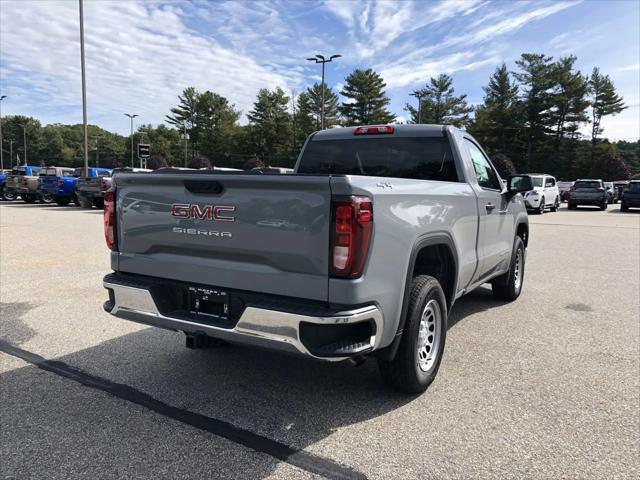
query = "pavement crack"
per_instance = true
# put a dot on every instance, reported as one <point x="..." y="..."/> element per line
<point x="280" y="451"/>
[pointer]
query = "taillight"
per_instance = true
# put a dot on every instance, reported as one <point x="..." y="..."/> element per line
<point x="103" y="184"/>
<point x="601" y="189"/>
<point x="110" y="219"/>
<point x="375" y="130"/>
<point x="351" y="226"/>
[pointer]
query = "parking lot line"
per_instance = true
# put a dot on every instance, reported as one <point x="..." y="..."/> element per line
<point x="298" y="458"/>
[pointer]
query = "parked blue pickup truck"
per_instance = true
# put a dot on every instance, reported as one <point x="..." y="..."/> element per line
<point x="58" y="184"/>
<point x="3" y="180"/>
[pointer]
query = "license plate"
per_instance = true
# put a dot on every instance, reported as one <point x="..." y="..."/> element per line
<point x="209" y="302"/>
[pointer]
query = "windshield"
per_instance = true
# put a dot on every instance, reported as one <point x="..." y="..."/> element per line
<point x="608" y="184"/>
<point x="594" y="184"/>
<point x="48" y="171"/>
<point x="423" y="158"/>
<point x="536" y="181"/>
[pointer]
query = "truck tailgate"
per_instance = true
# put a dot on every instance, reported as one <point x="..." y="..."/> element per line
<point x="262" y="233"/>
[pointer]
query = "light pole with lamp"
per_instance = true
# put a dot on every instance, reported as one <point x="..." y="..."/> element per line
<point x="321" y="59"/>
<point x="24" y="139"/>
<point x="131" y="117"/>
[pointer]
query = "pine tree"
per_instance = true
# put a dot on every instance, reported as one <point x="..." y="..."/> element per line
<point x="569" y="99"/>
<point x="270" y="124"/>
<point x="536" y="79"/>
<point x="497" y="121"/>
<point x="439" y="104"/>
<point x="604" y="102"/>
<point x="367" y="100"/>
<point x="310" y="105"/>
<point x="185" y="114"/>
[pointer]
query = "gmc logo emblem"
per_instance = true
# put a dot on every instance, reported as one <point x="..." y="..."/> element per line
<point x="204" y="212"/>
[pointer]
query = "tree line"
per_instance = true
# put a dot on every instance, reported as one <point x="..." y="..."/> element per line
<point x="530" y="119"/>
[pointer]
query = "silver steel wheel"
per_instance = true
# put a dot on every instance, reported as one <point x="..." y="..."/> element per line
<point x="517" y="270"/>
<point x="429" y="335"/>
<point x="46" y="198"/>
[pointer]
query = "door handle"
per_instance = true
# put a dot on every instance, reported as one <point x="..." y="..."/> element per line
<point x="489" y="207"/>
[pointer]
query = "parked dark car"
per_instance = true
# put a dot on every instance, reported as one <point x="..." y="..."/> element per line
<point x="588" y="192"/>
<point x="90" y="189"/>
<point x="3" y="181"/>
<point x="631" y="196"/>
<point x="565" y="190"/>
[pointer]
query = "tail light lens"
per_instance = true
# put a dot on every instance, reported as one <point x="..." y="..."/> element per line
<point x="110" y="219"/>
<point x="351" y="227"/>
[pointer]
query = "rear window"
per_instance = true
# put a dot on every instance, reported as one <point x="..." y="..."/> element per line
<point x="422" y="158"/>
<point x="78" y="172"/>
<point x="103" y="173"/>
<point x="634" y="187"/>
<point x="588" y="185"/>
<point x="48" y="171"/>
<point x="18" y="171"/>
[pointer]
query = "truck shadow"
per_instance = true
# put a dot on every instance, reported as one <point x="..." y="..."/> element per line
<point x="295" y="401"/>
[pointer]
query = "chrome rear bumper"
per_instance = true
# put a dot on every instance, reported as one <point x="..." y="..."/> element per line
<point x="273" y="329"/>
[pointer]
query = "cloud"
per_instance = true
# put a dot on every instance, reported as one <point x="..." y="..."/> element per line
<point x="139" y="57"/>
<point x="629" y="68"/>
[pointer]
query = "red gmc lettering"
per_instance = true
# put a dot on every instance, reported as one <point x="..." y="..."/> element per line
<point x="223" y="218"/>
<point x="204" y="212"/>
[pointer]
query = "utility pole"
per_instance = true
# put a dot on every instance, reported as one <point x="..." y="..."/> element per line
<point x="84" y="93"/>
<point x="11" y="154"/>
<point x="131" y="117"/>
<point x="322" y="60"/>
<point x="1" y="142"/>
<point x="419" y="96"/>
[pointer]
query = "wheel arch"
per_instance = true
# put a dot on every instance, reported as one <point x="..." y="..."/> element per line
<point x="436" y="255"/>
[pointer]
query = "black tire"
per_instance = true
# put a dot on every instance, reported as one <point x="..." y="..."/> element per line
<point x="8" y="195"/>
<point x="63" y="201"/>
<point x="75" y="200"/>
<point x="506" y="287"/>
<point x="28" y="198"/>
<point x="540" y="210"/>
<point x="98" y="202"/>
<point x="403" y="372"/>
<point x="556" y="205"/>
<point x="47" y="198"/>
<point x="84" y="201"/>
<point x="571" y="206"/>
<point x="604" y="206"/>
<point x="623" y="207"/>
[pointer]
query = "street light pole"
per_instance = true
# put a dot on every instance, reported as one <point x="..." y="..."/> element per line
<point x="419" y="96"/>
<point x="1" y="142"/>
<point x="131" y="117"/>
<point x="24" y="138"/>
<point x="84" y="92"/>
<point x="11" y="154"/>
<point x="321" y="59"/>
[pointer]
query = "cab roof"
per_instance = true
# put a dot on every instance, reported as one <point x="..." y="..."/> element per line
<point x="405" y="130"/>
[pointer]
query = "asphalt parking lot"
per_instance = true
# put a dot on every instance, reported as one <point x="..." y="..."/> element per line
<point x="546" y="387"/>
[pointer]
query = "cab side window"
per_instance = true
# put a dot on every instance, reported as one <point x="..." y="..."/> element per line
<point x="486" y="175"/>
<point x="550" y="182"/>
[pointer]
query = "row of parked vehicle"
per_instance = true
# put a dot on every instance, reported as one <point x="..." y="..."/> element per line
<point x="548" y="193"/>
<point x="61" y="185"/>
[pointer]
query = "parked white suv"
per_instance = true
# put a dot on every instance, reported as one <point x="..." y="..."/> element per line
<point x="545" y="194"/>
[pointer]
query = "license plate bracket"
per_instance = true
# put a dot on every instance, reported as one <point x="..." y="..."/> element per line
<point x="209" y="302"/>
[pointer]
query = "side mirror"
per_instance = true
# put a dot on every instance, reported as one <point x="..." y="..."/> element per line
<point x="519" y="184"/>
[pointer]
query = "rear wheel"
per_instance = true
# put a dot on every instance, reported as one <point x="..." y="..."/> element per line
<point x="422" y="344"/>
<point x="508" y="286"/>
<point x="63" y="201"/>
<point x="623" y="207"/>
<point x="28" y="198"/>
<point x="604" y="205"/>
<point x="46" y="197"/>
<point x="84" y="201"/>
<point x="98" y="202"/>
<point x="556" y="205"/>
<point x="571" y="206"/>
<point x="541" y="207"/>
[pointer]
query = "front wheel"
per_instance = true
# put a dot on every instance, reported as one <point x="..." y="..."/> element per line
<point x="98" y="202"/>
<point x="28" y="198"/>
<point x="509" y="285"/>
<point x="556" y="205"/>
<point x="418" y="358"/>
<point x="604" y="205"/>
<point x="63" y="201"/>
<point x="571" y="206"/>
<point x="623" y="207"/>
<point x="541" y="207"/>
<point x="84" y="201"/>
<point x="8" y="195"/>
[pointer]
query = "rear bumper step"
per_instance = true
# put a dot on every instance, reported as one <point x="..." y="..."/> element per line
<point x="334" y="337"/>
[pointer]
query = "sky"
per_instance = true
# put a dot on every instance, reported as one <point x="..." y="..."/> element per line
<point x="140" y="55"/>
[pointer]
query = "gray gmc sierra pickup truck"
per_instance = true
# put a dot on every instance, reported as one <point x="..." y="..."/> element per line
<point x="362" y="251"/>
